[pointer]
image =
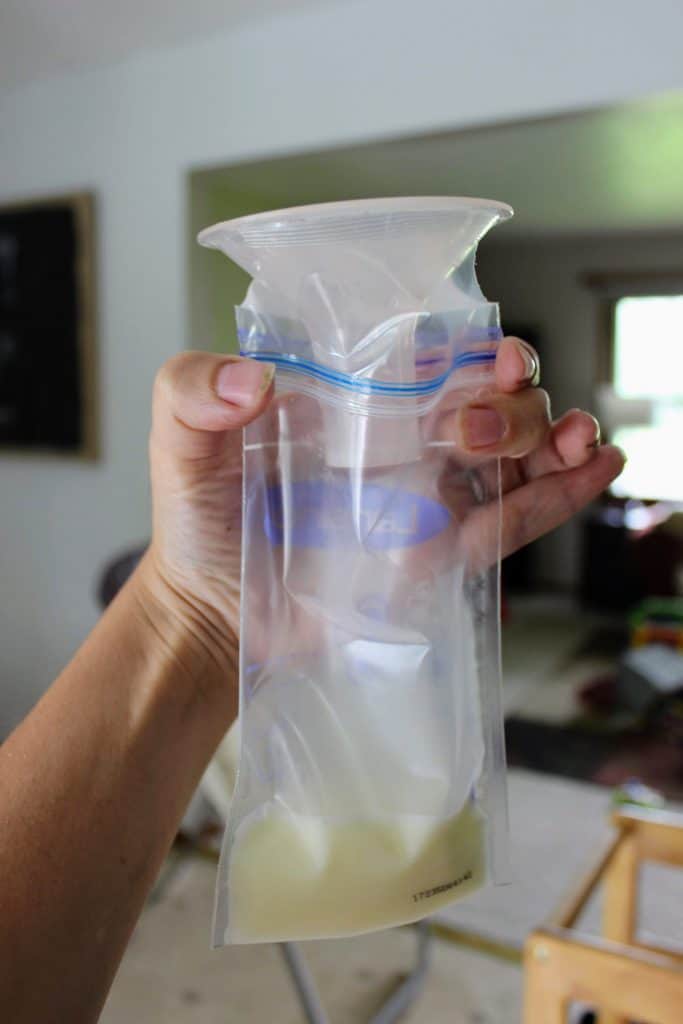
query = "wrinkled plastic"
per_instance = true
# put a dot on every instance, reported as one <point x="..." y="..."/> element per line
<point x="370" y="788"/>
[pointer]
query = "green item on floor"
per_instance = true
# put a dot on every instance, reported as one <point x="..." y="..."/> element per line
<point x="637" y="794"/>
<point x="657" y="620"/>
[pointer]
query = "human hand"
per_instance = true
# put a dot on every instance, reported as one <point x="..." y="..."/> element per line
<point x="550" y="470"/>
<point x="192" y="568"/>
<point x="201" y="402"/>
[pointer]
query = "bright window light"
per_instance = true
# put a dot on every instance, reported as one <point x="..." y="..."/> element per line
<point x="648" y="366"/>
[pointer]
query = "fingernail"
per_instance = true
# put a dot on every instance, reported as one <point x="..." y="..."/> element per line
<point x="530" y="363"/>
<point x="482" y="426"/>
<point x="595" y="443"/>
<point x="244" y="381"/>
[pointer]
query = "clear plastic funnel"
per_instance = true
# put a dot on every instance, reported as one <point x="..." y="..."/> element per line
<point x="385" y="255"/>
<point x="356" y="279"/>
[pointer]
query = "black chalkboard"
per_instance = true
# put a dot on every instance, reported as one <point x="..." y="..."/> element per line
<point x="46" y="327"/>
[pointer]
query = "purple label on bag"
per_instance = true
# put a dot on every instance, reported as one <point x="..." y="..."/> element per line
<point x="321" y="514"/>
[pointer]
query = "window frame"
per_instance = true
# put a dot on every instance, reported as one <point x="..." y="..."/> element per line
<point x="608" y="288"/>
<point x="613" y="285"/>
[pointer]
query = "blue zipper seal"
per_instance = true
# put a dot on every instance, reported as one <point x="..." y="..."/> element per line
<point x="370" y="387"/>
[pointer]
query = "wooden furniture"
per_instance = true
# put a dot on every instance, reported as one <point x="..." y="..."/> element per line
<point x="624" y="979"/>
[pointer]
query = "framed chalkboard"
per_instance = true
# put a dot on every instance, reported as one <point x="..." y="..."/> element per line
<point x="47" y="327"/>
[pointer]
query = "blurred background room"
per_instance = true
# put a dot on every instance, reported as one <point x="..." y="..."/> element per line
<point x="127" y="127"/>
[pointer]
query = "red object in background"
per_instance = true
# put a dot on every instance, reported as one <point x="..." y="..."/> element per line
<point x="658" y="633"/>
<point x="651" y="758"/>
<point x="599" y="695"/>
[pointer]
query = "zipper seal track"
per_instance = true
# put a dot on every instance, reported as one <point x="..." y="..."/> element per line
<point x="360" y="384"/>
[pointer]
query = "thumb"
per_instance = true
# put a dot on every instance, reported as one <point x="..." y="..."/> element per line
<point x="198" y="396"/>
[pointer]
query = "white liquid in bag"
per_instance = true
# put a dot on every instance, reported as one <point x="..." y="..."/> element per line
<point x="299" y="877"/>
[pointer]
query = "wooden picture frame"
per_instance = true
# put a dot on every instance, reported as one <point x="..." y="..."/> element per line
<point x="48" y="369"/>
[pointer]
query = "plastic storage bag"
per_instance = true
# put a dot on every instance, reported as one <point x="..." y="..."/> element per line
<point x="371" y="787"/>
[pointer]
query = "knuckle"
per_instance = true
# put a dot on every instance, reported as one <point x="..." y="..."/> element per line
<point x="173" y="371"/>
<point x="567" y="498"/>
<point x="527" y="415"/>
<point x="541" y="400"/>
<point x="530" y="404"/>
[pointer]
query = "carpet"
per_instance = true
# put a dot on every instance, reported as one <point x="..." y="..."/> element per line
<point x="571" y="725"/>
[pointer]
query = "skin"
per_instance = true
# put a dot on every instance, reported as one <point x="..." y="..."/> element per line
<point x="96" y="779"/>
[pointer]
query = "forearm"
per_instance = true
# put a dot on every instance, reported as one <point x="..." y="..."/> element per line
<point x="93" y="785"/>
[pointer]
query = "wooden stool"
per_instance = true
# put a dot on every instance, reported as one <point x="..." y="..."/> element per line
<point x="625" y="980"/>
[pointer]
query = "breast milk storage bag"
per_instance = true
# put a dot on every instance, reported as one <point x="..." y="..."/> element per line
<point x="370" y="789"/>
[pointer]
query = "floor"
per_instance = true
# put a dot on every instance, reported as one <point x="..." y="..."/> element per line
<point x="541" y="638"/>
<point x="170" y="976"/>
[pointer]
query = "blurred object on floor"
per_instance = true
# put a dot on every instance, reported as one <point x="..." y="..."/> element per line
<point x="563" y="750"/>
<point x="647" y="676"/>
<point x="564" y="715"/>
<point x="635" y="794"/>
<point x="657" y="620"/>
<point x="598" y="696"/>
<point x="653" y="753"/>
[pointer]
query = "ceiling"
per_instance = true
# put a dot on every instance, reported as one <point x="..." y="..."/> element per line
<point x="45" y="38"/>
<point x="606" y="170"/>
<point x="612" y="169"/>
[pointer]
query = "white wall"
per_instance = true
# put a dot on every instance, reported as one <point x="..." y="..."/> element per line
<point x="359" y="70"/>
<point x="538" y="283"/>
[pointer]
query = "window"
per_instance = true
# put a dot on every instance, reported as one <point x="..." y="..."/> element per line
<point x="642" y="405"/>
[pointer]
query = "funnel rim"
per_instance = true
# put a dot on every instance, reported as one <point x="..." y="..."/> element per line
<point x="350" y="207"/>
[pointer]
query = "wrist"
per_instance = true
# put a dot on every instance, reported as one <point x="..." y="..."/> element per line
<point x="202" y="648"/>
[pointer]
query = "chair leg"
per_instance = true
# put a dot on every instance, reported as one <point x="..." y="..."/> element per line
<point x="544" y="1000"/>
<point x="620" y="903"/>
<point x="394" y="1007"/>
<point x="303" y="983"/>
<point x="621" y="893"/>
<point x="407" y="992"/>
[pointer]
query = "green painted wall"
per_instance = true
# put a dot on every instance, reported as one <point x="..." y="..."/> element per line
<point x="217" y="284"/>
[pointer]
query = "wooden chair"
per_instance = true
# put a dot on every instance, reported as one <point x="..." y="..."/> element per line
<point x="623" y="979"/>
